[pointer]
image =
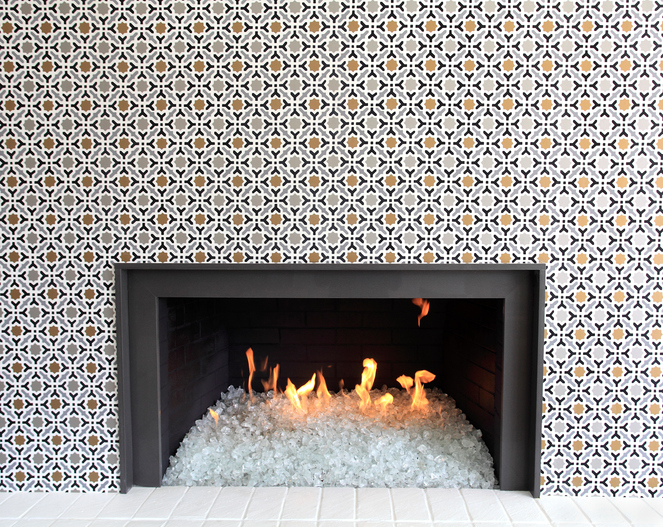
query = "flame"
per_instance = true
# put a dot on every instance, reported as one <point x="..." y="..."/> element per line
<point x="367" y="379"/>
<point x="383" y="401"/>
<point x="419" y="400"/>
<point x="406" y="382"/>
<point x="263" y="364"/>
<point x="291" y="394"/>
<point x="252" y="368"/>
<point x="341" y="385"/>
<point x="297" y="396"/>
<point x="271" y="383"/>
<point x="424" y="305"/>
<point x="322" y="387"/>
<point x="214" y="415"/>
<point x="307" y="388"/>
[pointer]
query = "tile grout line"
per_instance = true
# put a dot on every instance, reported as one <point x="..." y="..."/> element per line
<point x="589" y="520"/>
<point x="178" y="502"/>
<point x="429" y="508"/>
<point x="355" y="511"/>
<point x="511" y="520"/>
<point x="543" y="511"/>
<point x="142" y="503"/>
<point x="246" y="507"/>
<point x="280" y="516"/>
<point x="319" y="507"/>
<point x="467" y="509"/>
<point x="43" y="495"/>
<point x="392" y="506"/>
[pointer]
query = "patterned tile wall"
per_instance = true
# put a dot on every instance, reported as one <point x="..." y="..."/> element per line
<point x="332" y="131"/>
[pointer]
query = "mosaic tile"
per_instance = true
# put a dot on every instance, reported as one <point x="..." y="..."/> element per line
<point x="326" y="131"/>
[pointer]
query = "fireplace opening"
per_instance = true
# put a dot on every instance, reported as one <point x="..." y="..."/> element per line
<point x="458" y="340"/>
<point x="183" y="331"/>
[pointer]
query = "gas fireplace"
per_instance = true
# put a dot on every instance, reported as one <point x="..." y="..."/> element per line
<point x="184" y="332"/>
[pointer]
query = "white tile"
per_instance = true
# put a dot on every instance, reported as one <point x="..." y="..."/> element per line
<point x="126" y="505"/>
<point x="183" y="523"/>
<point x="161" y="503"/>
<point x="230" y="504"/>
<point x="410" y="504"/>
<point x="447" y="505"/>
<point x="259" y="523"/>
<point x="452" y="524"/>
<point x="4" y="496"/>
<point x="493" y="524"/>
<point x="298" y="523"/>
<point x="88" y="505"/>
<point x="18" y="503"/>
<point x="222" y="523"/>
<point x="266" y="503"/>
<point x="35" y="522"/>
<point x="600" y="510"/>
<point x="374" y="504"/>
<point x="543" y="523"/>
<point x="414" y="524"/>
<point x="521" y="507"/>
<point x="586" y="523"/>
<point x="561" y="509"/>
<point x="655" y="503"/>
<point x="145" y="523"/>
<point x="195" y="503"/>
<point x="52" y="505"/>
<point x="108" y="523"/>
<point x="337" y="504"/>
<point x="7" y="523"/>
<point x="336" y="523"/>
<point x="483" y="505"/>
<point x="301" y="503"/>
<point x="637" y="510"/>
<point x="367" y="523"/>
<point x="70" y="523"/>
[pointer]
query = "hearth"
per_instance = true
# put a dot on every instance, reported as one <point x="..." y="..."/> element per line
<point x="183" y="331"/>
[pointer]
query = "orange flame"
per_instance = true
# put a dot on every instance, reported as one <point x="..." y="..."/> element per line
<point x="419" y="398"/>
<point x="383" y="401"/>
<point x="406" y="382"/>
<point x="322" y="387"/>
<point x="367" y="379"/>
<point x="291" y="394"/>
<point x="214" y="415"/>
<point x="263" y="364"/>
<point x="424" y="305"/>
<point x="307" y="388"/>
<point x="252" y="368"/>
<point x="271" y="383"/>
<point x="297" y="397"/>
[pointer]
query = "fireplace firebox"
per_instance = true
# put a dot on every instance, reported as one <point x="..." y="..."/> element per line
<point x="183" y="331"/>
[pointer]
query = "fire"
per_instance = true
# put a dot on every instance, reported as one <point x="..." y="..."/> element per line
<point x="273" y="377"/>
<point x="419" y="400"/>
<point x="367" y="380"/>
<point x="424" y="305"/>
<point x="297" y="396"/>
<point x="307" y="388"/>
<point x="322" y="390"/>
<point x="252" y="369"/>
<point x="406" y="382"/>
<point x="291" y="394"/>
<point x="383" y="401"/>
<point x="214" y="415"/>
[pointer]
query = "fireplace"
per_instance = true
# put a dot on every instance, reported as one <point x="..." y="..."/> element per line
<point x="183" y="329"/>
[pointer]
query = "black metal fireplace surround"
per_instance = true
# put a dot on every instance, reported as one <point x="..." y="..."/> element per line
<point x="182" y="330"/>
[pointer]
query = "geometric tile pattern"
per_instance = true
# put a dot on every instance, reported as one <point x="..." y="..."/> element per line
<point x="326" y="131"/>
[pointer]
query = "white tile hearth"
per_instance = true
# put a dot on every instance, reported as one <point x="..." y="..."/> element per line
<point x="330" y="507"/>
